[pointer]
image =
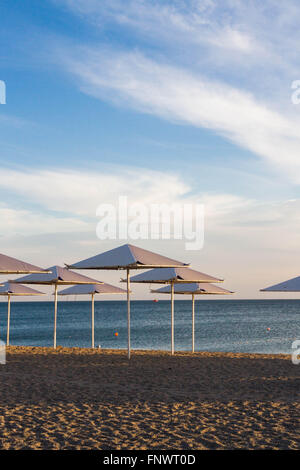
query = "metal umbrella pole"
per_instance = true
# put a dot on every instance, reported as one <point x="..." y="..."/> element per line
<point x="55" y="315"/>
<point x="193" y="322"/>
<point x="93" y="321"/>
<point x="8" y="318"/>
<point x="172" y="317"/>
<point x="128" y="312"/>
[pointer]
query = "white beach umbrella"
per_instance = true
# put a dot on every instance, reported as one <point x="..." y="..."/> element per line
<point x="10" y="289"/>
<point x="92" y="290"/>
<point x="56" y="276"/>
<point x="292" y="285"/>
<point x="173" y="276"/>
<point x="193" y="289"/>
<point x="9" y="265"/>
<point x="127" y="257"/>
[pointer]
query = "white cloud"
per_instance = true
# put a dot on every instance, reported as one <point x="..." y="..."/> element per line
<point x="250" y="49"/>
<point x="26" y="222"/>
<point x="14" y="121"/>
<point x="223" y="32"/>
<point x="177" y="95"/>
<point x="193" y="22"/>
<point x="80" y="192"/>
<point x="68" y="200"/>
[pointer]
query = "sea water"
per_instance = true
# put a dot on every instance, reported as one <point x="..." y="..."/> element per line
<point x="257" y="326"/>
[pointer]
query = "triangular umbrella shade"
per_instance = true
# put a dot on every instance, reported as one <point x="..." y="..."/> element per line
<point x="196" y="288"/>
<point x="193" y="289"/>
<point x="173" y="276"/>
<point x="92" y="289"/>
<point x="10" y="265"/>
<point x="292" y="285"/>
<point x="56" y="275"/>
<point x="10" y="289"/>
<point x="127" y="257"/>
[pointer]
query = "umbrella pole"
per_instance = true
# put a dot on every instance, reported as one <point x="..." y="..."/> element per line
<point x="193" y="326"/>
<point x="8" y="318"/>
<point x="93" y="321"/>
<point x="128" y="312"/>
<point x="172" y="318"/>
<point x="55" y="315"/>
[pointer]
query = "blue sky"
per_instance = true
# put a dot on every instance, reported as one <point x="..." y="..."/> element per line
<point x="192" y="94"/>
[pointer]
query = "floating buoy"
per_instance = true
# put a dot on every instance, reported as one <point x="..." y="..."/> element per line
<point x="116" y="333"/>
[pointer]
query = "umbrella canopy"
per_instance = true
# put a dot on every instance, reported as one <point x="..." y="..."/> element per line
<point x="92" y="289"/>
<point x="196" y="288"/>
<point x="292" y="285"/>
<point x="13" y="288"/>
<point x="85" y="289"/>
<point x="193" y="289"/>
<point x="10" y="265"/>
<point x="173" y="276"/>
<point x="10" y="288"/>
<point x="127" y="257"/>
<point x="56" y="275"/>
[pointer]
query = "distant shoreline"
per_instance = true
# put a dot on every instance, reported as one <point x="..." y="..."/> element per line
<point x="167" y="299"/>
<point x="151" y="352"/>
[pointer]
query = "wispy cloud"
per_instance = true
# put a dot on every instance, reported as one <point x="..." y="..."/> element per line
<point x="68" y="200"/>
<point x="80" y="192"/>
<point x="166" y="21"/>
<point x="222" y="65"/>
<point x="178" y="95"/>
<point x="14" y="121"/>
<point x="25" y="222"/>
<point x="223" y="32"/>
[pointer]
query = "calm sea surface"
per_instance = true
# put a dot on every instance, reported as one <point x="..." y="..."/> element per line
<point x="221" y="325"/>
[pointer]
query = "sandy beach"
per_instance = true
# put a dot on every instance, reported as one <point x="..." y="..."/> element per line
<point x="76" y="398"/>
